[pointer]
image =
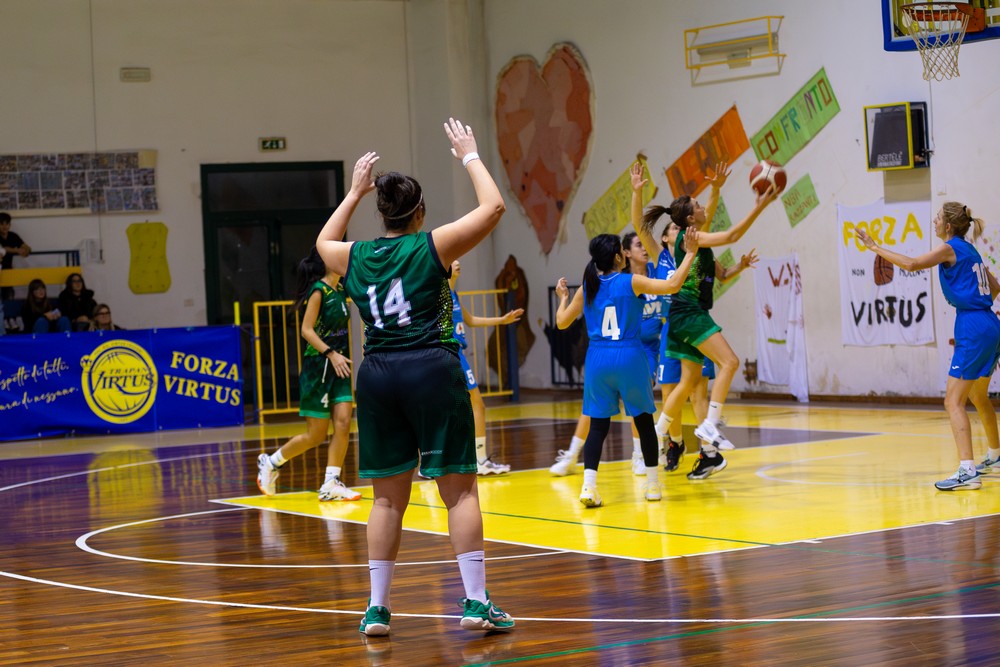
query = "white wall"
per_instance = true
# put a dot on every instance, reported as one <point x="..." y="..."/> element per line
<point x="330" y="76"/>
<point x="339" y="77"/>
<point x="645" y="102"/>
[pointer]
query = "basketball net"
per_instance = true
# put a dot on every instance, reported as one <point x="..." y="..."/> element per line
<point x="937" y="29"/>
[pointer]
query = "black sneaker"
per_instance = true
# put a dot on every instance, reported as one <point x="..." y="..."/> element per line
<point x="675" y="452"/>
<point x="706" y="466"/>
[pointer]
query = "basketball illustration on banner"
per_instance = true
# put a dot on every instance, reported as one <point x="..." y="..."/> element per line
<point x="883" y="270"/>
<point x="767" y="173"/>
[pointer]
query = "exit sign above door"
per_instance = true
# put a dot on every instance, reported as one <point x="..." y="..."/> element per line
<point x="271" y="143"/>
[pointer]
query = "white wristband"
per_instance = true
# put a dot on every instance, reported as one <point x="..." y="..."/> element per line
<point x="469" y="157"/>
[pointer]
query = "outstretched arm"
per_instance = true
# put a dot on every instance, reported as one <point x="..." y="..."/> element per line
<point x="336" y="253"/>
<point x="943" y="254"/>
<point x="736" y="232"/>
<point x="507" y="318"/>
<point x="717" y="179"/>
<point x="673" y="284"/>
<point x="747" y="261"/>
<point x="645" y="236"/>
<point x="568" y="311"/>
<point x="457" y="238"/>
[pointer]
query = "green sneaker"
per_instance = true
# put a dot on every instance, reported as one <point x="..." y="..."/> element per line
<point x="479" y="616"/>
<point x="376" y="621"/>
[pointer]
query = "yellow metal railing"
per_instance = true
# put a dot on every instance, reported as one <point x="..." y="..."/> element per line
<point x="277" y="345"/>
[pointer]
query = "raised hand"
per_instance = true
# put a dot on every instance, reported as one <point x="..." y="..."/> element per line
<point x="749" y="260"/>
<point x="562" y="288"/>
<point x="462" y="141"/>
<point x="768" y="196"/>
<point x="719" y="176"/>
<point x="512" y="316"/>
<point x="864" y="238"/>
<point x="638" y="182"/>
<point x="691" y="240"/>
<point x="361" y="180"/>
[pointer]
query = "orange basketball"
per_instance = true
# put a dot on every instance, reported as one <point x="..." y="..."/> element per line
<point x="767" y="173"/>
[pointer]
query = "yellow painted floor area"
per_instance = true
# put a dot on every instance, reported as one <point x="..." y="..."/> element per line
<point x="767" y="495"/>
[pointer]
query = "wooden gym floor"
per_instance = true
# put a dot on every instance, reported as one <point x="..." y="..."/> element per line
<point x="823" y="542"/>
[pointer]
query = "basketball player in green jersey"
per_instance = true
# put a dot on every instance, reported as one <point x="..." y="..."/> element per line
<point x="324" y="381"/>
<point x="411" y="394"/>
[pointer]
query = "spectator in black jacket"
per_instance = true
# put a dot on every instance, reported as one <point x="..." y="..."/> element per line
<point x="77" y="302"/>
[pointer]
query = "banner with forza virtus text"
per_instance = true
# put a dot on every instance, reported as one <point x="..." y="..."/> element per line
<point x="120" y="381"/>
<point x="881" y="304"/>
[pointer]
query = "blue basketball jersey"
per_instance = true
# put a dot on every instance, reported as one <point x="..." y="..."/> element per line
<point x="964" y="283"/>
<point x="615" y="313"/>
<point x="456" y="317"/>
<point x="665" y="267"/>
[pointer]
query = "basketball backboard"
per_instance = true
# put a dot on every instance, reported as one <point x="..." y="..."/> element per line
<point x="895" y="37"/>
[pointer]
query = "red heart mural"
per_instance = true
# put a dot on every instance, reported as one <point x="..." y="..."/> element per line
<point x="544" y="129"/>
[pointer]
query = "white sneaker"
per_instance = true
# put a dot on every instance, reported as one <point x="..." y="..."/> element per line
<point x="267" y="475"/>
<point x="489" y="467"/>
<point x="565" y="463"/>
<point x="638" y="466"/>
<point x="334" y="489"/>
<point x="710" y="432"/>
<point x="590" y="497"/>
<point x="654" y="492"/>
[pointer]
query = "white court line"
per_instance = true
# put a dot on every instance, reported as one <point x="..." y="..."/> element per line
<point x="81" y="542"/>
<point x="632" y="621"/>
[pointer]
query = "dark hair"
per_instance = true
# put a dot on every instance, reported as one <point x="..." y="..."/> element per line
<point x="69" y="281"/>
<point x="603" y="249"/>
<point x="34" y="304"/>
<point x="311" y="268"/>
<point x="4" y="217"/>
<point x="959" y="218"/>
<point x="398" y="198"/>
<point x="627" y="245"/>
<point x="679" y="210"/>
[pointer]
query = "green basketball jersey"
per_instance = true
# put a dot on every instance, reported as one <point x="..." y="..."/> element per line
<point x="697" y="287"/>
<point x="333" y="319"/>
<point x="401" y="290"/>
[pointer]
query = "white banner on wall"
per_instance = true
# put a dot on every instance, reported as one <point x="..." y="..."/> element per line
<point x="781" y="332"/>
<point x="881" y="304"/>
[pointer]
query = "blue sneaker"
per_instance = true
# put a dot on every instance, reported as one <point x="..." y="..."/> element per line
<point x="479" y="616"/>
<point x="988" y="465"/>
<point x="962" y="479"/>
<point x="376" y="621"/>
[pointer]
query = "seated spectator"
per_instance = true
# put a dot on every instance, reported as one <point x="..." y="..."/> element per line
<point x="77" y="302"/>
<point x="12" y="244"/>
<point x="102" y="319"/>
<point x="3" y="325"/>
<point x="38" y="313"/>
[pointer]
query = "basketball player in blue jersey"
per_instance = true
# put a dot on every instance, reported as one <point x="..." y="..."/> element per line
<point x="970" y="288"/>
<point x="484" y="464"/>
<point x="412" y="402"/>
<point x="693" y="334"/>
<point x="668" y="372"/>
<point x="617" y="369"/>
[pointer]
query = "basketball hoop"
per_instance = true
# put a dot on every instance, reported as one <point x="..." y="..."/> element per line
<point x="937" y="29"/>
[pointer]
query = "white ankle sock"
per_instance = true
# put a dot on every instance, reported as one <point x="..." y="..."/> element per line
<point x="481" y="448"/>
<point x="714" y="412"/>
<point x="331" y="472"/>
<point x="576" y="444"/>
<point x="589" y="477"/>
<point x="473" y="568"/>
<point x="380" y="574"/>
<point x="277" y="460"/>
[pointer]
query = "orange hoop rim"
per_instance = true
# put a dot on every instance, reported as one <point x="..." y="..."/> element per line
<point x="924" y="12"/>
